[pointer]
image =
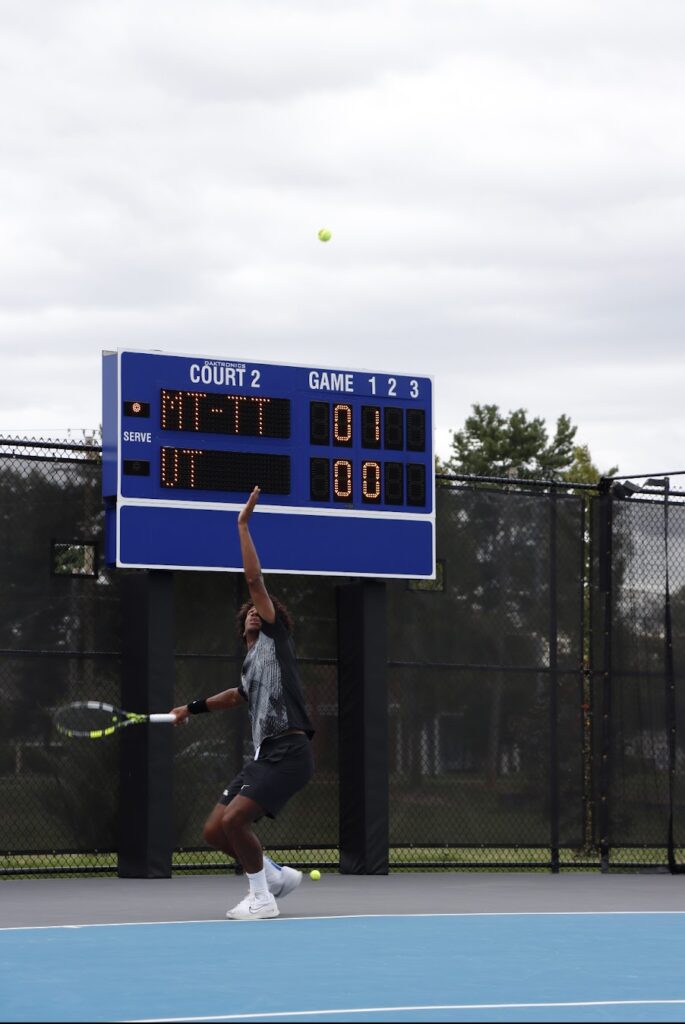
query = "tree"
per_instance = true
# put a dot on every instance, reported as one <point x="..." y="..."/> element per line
<point x="511" y="561"/>
<point x="492" y="444"/>
<point x="583" y="470"/>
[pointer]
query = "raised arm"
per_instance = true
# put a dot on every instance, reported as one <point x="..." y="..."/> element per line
<point x="253" y="570"/>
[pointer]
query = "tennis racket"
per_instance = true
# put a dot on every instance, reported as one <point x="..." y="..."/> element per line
<point x="91" y="720"/>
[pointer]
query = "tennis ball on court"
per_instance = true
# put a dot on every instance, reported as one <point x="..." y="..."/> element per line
<point x="315" y="875"/>
<point x="324" y="235"/>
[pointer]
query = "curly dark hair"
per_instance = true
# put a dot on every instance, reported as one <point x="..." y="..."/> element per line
<point x="281" y="612"/>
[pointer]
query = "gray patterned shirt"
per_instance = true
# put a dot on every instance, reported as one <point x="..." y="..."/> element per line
<point x="270" y="684"/>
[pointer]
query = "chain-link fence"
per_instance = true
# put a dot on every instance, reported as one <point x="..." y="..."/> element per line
<point x="637" y="659"/>
<point x="486" y="685"/>
<point x="530" y="719"/>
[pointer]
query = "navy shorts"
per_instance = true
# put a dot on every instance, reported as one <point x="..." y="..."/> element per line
<point x="285" y="764"/>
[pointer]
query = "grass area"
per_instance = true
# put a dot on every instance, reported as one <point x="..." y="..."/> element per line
<point x="402" y="858"/>
<point x="20" y="865"/>
<point x="444" y="858"/>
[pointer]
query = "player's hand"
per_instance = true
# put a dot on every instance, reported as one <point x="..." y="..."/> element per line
<point x="249" y="505"/>
<point x="181" y="714"/>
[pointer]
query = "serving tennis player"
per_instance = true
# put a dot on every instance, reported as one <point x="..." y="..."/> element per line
<point x="281" y="733"/>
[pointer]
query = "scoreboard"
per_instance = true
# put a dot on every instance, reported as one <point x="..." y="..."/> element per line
<point x="344" y="460"/>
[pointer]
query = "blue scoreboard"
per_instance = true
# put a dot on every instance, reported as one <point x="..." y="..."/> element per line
<point x="344" y="459"/>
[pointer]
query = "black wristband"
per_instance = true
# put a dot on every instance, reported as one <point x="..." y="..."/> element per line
<point x="198" y="707"/>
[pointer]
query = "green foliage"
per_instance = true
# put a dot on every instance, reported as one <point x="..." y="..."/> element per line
<point x="492" y="444"/>
<point x="583" y="469"/>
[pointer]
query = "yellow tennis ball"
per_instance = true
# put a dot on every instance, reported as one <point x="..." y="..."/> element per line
<point x="324" y="235"/>
<point x="315" y="875"/>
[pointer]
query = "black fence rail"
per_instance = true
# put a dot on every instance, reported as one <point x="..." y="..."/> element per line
<point x="533" y="711"/>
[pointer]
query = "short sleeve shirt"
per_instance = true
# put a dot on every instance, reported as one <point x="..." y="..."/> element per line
<point x="270" y="683"/>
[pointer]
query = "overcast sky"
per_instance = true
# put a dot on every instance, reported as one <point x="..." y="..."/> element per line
<point x="504" y="180"/>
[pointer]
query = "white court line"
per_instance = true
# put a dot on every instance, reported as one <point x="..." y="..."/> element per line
<point x="344" y="917"/>
<point x="400" y="1009"/>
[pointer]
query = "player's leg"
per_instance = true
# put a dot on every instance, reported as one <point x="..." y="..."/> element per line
<point x="284" y="767"/>
<point x="213" y="832"/>
<point x="280" y="880"/>
<point x="236" y="821"/>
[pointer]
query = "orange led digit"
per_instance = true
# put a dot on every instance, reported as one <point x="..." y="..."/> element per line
<point x="342" y="424"/>
<point x="371" y="482"/>
<point x="371" y="426"/>
<point x="342" y="480"/>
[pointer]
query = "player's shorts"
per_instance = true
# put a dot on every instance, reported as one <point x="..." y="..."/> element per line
<point x="285" y="764"/>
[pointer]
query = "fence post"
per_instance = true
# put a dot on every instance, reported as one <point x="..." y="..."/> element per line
<point x="606" y="514"/>
<point x="553" y="686"/>
<point x="363" y="728"/>
<point x="146" y="836"/>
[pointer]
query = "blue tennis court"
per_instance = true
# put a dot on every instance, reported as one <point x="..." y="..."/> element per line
<point x="612" y="966"/>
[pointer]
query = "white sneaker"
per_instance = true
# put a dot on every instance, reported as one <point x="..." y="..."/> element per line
<point x="254" y="909"/>
<point x="288" y="879"/>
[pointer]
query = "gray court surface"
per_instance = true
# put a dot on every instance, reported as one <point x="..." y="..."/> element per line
<point x="57" y="901"/>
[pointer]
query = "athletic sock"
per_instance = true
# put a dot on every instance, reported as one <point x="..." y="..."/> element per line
<point x="258" y="884"/>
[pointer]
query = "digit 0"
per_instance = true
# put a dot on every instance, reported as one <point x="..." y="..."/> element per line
<point x="371" y="482"/>
<point x="342" y="480"/>
<point x="342" y="424"/>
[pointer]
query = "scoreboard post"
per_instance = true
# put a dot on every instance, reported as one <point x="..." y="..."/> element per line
<point x="344" y="459"/>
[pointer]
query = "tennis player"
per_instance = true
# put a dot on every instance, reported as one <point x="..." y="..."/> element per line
<point x="281" y="733"/>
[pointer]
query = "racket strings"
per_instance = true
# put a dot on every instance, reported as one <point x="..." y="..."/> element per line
<point x="91" y="720"/>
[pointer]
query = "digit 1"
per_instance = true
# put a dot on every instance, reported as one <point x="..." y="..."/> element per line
<point x="371" y="426"/>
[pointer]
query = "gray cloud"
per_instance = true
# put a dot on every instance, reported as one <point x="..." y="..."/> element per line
<point x="504" y="183"/>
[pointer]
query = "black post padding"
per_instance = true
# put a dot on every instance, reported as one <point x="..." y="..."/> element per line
<point x="146" y="835"/>
<point x="363" y="728"/>
<point x="606" y="526"/>
<point x="553" y="683"/>
<point x="671" y="705"/>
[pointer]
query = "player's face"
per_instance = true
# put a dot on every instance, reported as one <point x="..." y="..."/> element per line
<point x="253" y="622"/>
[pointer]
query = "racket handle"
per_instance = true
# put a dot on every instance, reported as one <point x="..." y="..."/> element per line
<point x="163" y="718"/>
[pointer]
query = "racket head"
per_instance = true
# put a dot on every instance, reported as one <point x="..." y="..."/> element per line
<point x="91" y="719"/>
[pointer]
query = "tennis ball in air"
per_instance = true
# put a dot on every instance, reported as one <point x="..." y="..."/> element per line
<point x="324" y="235"/>
<point x="315" y="875"/>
